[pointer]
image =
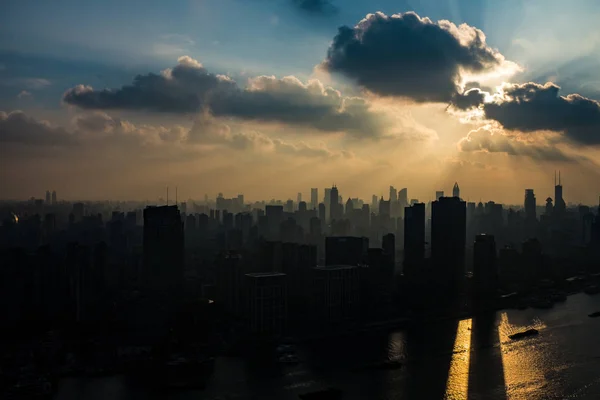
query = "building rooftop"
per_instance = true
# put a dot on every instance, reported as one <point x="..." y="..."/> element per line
<point x="264" y="274"/>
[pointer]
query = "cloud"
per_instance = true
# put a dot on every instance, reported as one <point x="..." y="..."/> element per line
<point x="208" y="130"/>
<point x="531" y="107"/>
<point x="409" y="56"/>
<point x="490" y="140"/>
<point x="24" y="94"/>
<point x="190" y="88"/>
<point x="322" y="7"/>
<point x="18" y="128"/>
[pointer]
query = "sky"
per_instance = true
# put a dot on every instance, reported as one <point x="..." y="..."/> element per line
<point x="118" y="100"/>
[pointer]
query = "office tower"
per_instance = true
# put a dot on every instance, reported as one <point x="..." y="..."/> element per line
<point x="54" y="198"/>
<point x="559" y="202"/>
<point x="393" y="194"/>
<point x="314" y="198"/>
<point x="274" y="215"/>
<point x="334" y="204"/>
<point x="438" y="194"/>
<point x="349" y="207"/>
<point x="530" y="205"/>
<point x="327" y="202"/>
<point x="403" y="197"/>
<point x="302" y="206"/>
<point x="267" y="303"/>
<point x="485" y="270"/>
<point x="384" y="207"/>
<point x="322" y="212"/>
<point x="374" y="202"/>
<point x="346" y="250"/>
<point x="163" y="259"/>
<point x="448" y="236"/>
<point x="48" y="197"/>
<point x="298" y="197"/>
<point x="414" y="238"/>
<point x="335" y="297"/>
<point x="240" y="200"/>
<point x="549" y="206"/>
<point x="289" y="206"/>
<point x="229" y="283"/>
<point x="456" y="190"/>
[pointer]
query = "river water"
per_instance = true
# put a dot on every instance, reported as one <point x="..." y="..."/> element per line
<point x="468" y="359"/>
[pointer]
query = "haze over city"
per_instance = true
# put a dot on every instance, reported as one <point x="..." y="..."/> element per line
<point x="106" y="100"/>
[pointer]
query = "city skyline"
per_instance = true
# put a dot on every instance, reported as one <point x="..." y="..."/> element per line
<point x="176" y="96"/>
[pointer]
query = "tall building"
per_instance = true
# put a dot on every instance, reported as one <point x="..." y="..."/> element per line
<point x="349" y="207"/>
<point x="54" y="198"/>
<point x="229" y="283"/>
<point x="485" y="270"/>
<point x="384" y="207"/>
<point x="559" y="203"/>
<point x="267" y="303"/>
<point x="314" y="198"/>
<point x="456" y="190"/>
<point x="322" y="212"/>
<point x="448" y="240"/>
<point x="346" y="250"/>
<point x="335" y="297"/>
<point x="163" y="259"/>
<point x="414" y="237"/>
<point x="530" y="205"/>
<point x="327" y="202"/>
<point x="393" y="194"/>
<point x="403" y="197"/>
<point x="438" y="194"/>
<point x="334" y="204"/>
<point x="298" y="197"/>
<point x="48" y="197"/>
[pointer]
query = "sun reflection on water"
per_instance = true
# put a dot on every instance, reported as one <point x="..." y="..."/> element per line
<point x="457" y="384"/>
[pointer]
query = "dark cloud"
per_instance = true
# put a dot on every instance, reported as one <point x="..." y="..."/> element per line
<point x="18" y="128"/>
<point x="530" y="107"/>
<point x="406" y="55"/>
<point x="189" y="88"/>
<point x="322" y="7"/>
<point x="490" y="141"/>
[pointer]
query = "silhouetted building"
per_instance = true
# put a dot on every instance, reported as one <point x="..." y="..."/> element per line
<point x="334" y="204"/>
<point x="439" y="194"/>
<point x="54" y="198"/>
<point x="335" y="297"/>
<point x="530" y="205"/>
<point x="414" y="237"/>
<point x="346" y="250"/>
<point x="229" y="283"/>
<point x="267" y="304"/>
<point x="163" y="261"/>
<point x="455" y="190"/>
<point x="485" y="270"/>
<point x="448" y="236"/>
<point x="314" y="198"/>
<point x="559" y="203"/>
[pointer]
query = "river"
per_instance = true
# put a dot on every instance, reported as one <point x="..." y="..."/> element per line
<point x="468" y="359"/>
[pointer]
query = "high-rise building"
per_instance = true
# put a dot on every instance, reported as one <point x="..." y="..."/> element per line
<point x="403" y="197"/>
<point x="485" y="270"/>
<point x="302" y="206"/>
<point x="327" y="202"/>
<point x="274" y="214"/>
<point x="334" y="204"/>
<point x="163" y="259"/>
<point x="374" y="203"/>
<point x="298" y="197"/>
<point x="384" y="207"/>
<point x="335" y="297"/>
<point x="349" y="207"/>
<point x="314" y="198"/>
<point x="54" y="198"/>
<point x="267" y="303"/>
<point x="438" y="194"/>
<point x="448" y="240"/>
<point x="346" y="250"/>
<point x="559" y="203"/>
<point x="393" y="194"/>
<point x="229" y="283"/>
<point x="414" y="237"/>
<point x="456" y="190"/>
<point x="322" y="212"/>
<point x="530" y="205"/>
<point x="48" y="197"/>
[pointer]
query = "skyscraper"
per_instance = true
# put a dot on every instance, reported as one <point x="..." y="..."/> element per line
<point x="448" y="240"/>
<point x="314" y="198"/>
<point x="163" y="248"/>
<point x="299" y="197"/>
<point x="334" y="204"/>
<point x="384" y="207"/>
<point x="438" y="194"/>
<point x="559" y="202"/>
<point x="267" y="303"/>
<point x="327" y="202"/>
<point x="414" y="237"/>
<point x="393" y="194"/>
<point x="48" y="197"/>
<point x="456" y="190"/>
<point x="54" y="198"/>
<point x="530" y="205"/>
<point x="485" y="272"/>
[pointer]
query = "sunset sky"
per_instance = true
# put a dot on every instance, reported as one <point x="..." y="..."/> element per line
<point x="119" y="99"/>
